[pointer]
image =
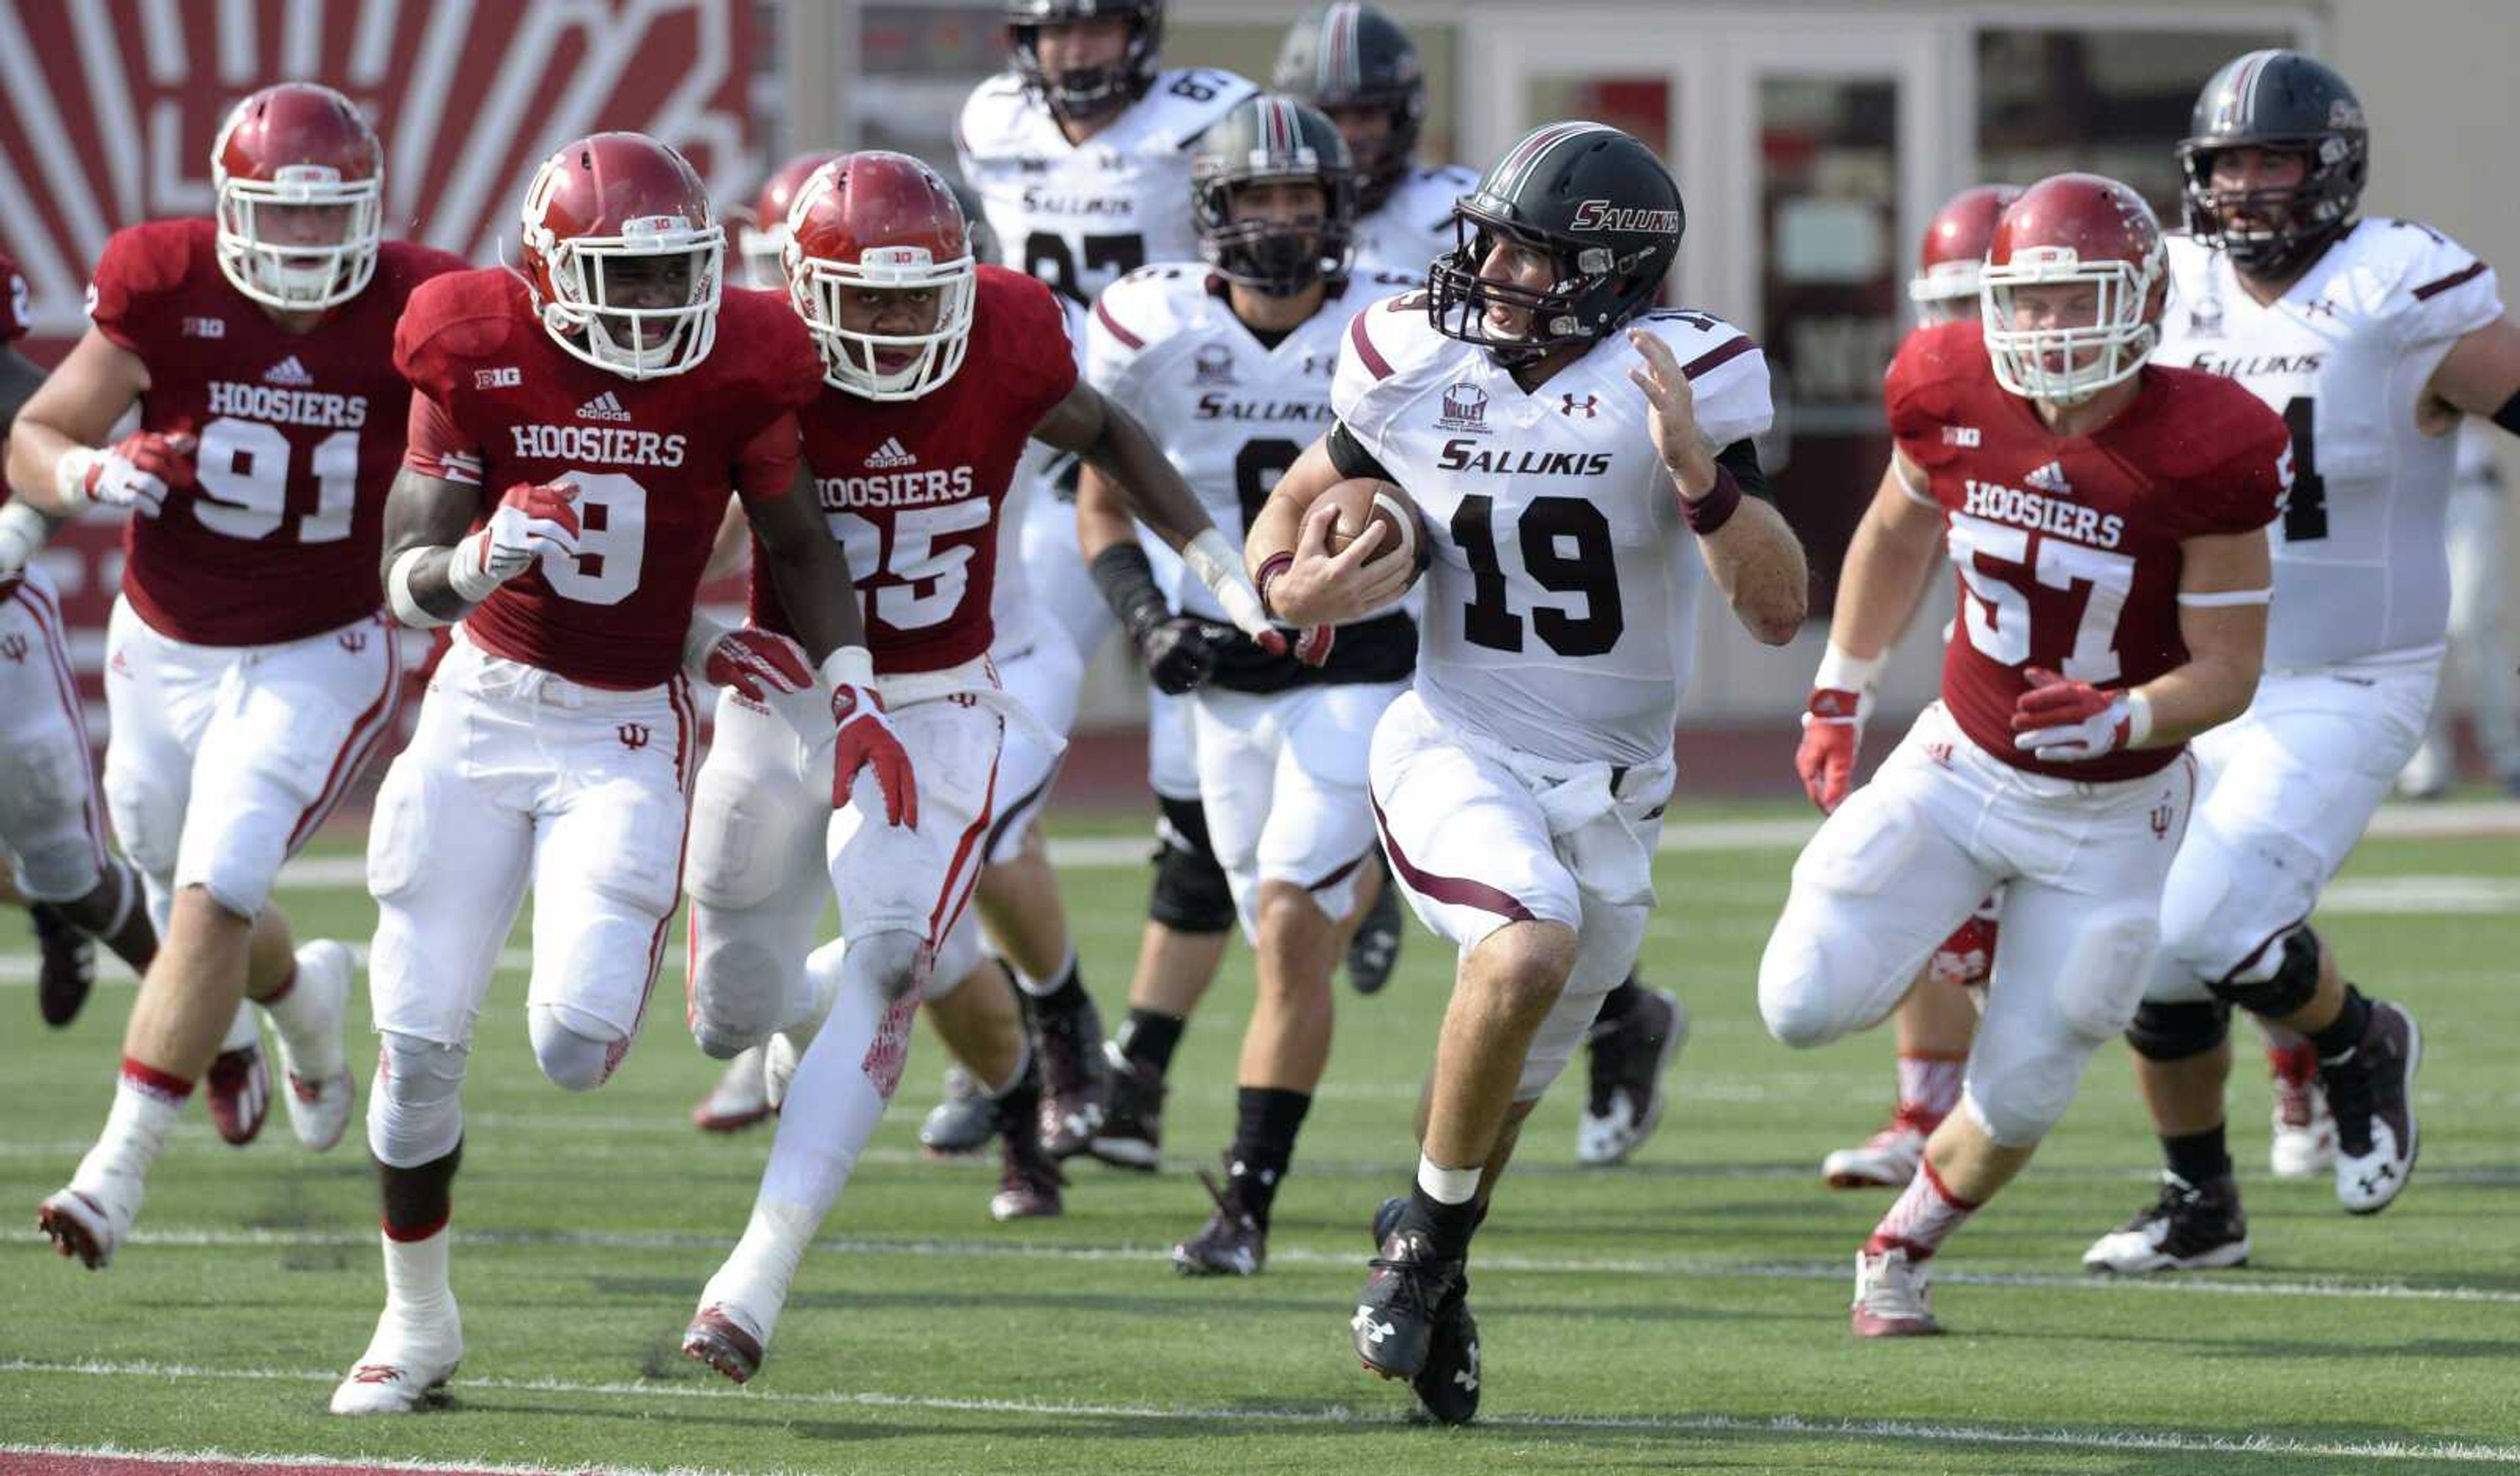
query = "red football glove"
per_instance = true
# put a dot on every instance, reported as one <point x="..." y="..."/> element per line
<point x="2064" y="722"/>
<point x="866" y="737"/>
<point x="757" y="662"/>
<point x="1832" y="732"/>
<point x="136" y="472"/>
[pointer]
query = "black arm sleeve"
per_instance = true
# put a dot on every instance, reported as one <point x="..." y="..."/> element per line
<point x="1741" y="457"/>
<point x="1128" y="584"/>
<point x="1349" y="456"/>
<point x="2509" y="417"/>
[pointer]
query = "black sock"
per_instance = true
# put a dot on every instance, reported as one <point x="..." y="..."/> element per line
<point x="1021" y="1101"/>
<point x="1068" y="995"/>
<point x="1147" y="1039"/>
<point x="1448" y="1226"/>
<point x="2200" y="1158"/>
<point x="1618" y="1002"/>
<point x="1264" y="1140"/>
<point x="2344" y="1032"/>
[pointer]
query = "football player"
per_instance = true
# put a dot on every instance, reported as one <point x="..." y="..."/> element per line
<point x="762" y="239"/>
<point x="912" y="449"/>
<point x="1580" y="461"/>
<point x="2372" y="338"/>
<point x="2106" y="520"/>
<point x="52" y="817"/>
<point x="1232" y="358"/>
<point x="1358" y="66"/>
<point x="250" y="666"/>
<point x="1079" y="150"/>
<point x="614" y="397"/>
<point x="1936" y="1020"/>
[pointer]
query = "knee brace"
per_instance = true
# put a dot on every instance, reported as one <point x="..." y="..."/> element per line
<point x="743" y="975"/>
<point x="1190" y="894"/>
<point x="2101" y="982"/>
<point x="575" y="1051"/>
<point x="2178" y="1030"/>
<point x="2285" y="976"/>
<point x="416" y="1107"/>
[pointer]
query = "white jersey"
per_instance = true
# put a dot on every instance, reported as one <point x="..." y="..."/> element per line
<point x="1231" y="412"/>
<point x="2344" y="356"/>
<point x="1079" y="217"/>
<point x="1561" y="606"/>
<point x="1414" y="225"/>
<point x="1011" y="609"/>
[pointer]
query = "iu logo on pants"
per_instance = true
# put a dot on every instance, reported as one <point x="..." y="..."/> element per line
<point x="15" y="647"/>
<point x="354" y="641"/>
<point x="2162" y="816"/>
<point x="633" y="735"/>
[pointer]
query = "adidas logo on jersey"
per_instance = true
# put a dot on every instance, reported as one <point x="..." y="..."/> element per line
<point x="2050" y="479"/>
<point x="288" y="372"/>
<point x="890" y="455"/>
<point x="604" y="407"/>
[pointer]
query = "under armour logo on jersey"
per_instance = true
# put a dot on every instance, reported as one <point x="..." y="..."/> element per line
<point x="633" y="735"/>
<point x="288" y="372"/>
<point x="604" y="407"/>
<point x="1589" y="405"/>
<point x="892" y="452"/>
<point x="14" y="647"/>
<point x="2050" y="479"/>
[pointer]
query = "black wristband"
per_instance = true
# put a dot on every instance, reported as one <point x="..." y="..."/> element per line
<point x="1127" y="581"/>
<point x="1707" y="514"/>
<point x="2509" y="417"/>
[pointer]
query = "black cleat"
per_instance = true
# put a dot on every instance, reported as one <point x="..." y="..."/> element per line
<point x="1132" y="1131"/>
<point x="1029" y="1182"/>
<point x="2370" y="1090"/>
<point x="1233" y="1242"/>
<point x="962" y="1123"/>
<point x="2188" y="1227"/>
<point x="1396" y="1315"/>
<point x="1448" y="1387"/>
<point x="1075" y="1078"/>
<point x="1627" y="1060"/>
<point x="1387" y="1218"/>
<point x="1374" y="952"/>
<point x="68" y="969"/>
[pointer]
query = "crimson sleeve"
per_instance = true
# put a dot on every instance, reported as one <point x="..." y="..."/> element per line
<point x="766" y="468"/>
<point x="116" y="298"/>
<point x="2248" y="491"/>
<point x="433" y="445"/>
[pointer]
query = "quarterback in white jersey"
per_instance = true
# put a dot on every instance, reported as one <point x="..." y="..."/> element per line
<point x="2372" y="338"/>
<point x="1230" y="361"/>
<point x="1080" y="150"/>
<point x="1359" y="67"/>
<point x="1579" y="464"/>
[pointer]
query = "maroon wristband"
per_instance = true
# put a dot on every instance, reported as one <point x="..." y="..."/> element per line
<point x="1270" y="568"/>
<point x="1707" y="514"/>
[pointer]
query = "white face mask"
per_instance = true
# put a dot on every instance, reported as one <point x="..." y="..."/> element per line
<point x="2065" y="364"/>
<point x="287" y="274"/>
<point x="817" y="286"/>
<point x="584" y="319"/>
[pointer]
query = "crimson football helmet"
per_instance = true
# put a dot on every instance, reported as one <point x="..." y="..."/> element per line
<point x="878" y="221"/>
<point x="593" y="208"/>
<point x="1945" y="286"/>
<point x="764" y="243"/>
<point x="287" y="157"/>
<point x="2072" y="230"/>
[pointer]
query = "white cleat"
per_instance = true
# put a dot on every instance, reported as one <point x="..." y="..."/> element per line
<point x="1886" y="1160"/>
<point x="741" y="1097"/>
<point x="1894" y="1297"/>
<point x="406" y="1366"/>
<point x="2303" y="1144"/>
<point x="88" y="1219"/>
<point x="320" y="1101"/>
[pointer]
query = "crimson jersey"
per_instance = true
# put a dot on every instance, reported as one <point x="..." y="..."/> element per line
<point x="279" y="534"/>
<point x="653" y="462"/>
<point x="2068" y="547"/>
<point x="913" y="487"/>
<point x="14" y="306"/>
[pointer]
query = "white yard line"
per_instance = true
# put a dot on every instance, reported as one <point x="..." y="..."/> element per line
<point x="179" y="1462"/>
<point x="1690" y="1267"/>
<point x="1824" y="1427"/>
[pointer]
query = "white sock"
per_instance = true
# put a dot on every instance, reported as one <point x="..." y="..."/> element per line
<point x="416" y="1280"/>
<point x="1042" y="989"/>
<point x="1445" y="1185"/>
<point x="309" y="1027"/>
<point x="243" y="1031"/>
<point x="135" y="1130"/>
<point x="755" y="1279"/>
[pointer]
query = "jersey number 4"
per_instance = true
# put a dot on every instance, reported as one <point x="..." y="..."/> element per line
<point x="1565" y="547"/>
<point x="1993" y="560"/>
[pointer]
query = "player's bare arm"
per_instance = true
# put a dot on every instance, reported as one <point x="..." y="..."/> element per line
<point x="806" y="568"/>
<point x="734" y="540"/>
<point x="425" y="516"/>
<point x="1888" y="562"/>
<point x="1318" y="587"/>
<point x="1753" y="556"/>
<point x="73" y="412"/>
<point x="2225" y="581"/>
<point x="2479" y="376"/>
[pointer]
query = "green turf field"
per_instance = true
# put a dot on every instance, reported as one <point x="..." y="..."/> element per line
<point x="1685" y="1313"/>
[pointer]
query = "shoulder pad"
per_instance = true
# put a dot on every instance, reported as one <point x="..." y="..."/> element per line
<point x="450" y="321"/>
<point x="1152" y="303"/>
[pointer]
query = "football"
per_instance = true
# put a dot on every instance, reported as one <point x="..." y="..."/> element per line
<point x="1364" y="500"/>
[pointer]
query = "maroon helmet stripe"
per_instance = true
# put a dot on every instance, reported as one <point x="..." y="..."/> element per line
<point x="1720" y="355"/>
<point x="1365" y="349"/>
<point x="1127" y="338"/>
<point x="2441" y="284"/>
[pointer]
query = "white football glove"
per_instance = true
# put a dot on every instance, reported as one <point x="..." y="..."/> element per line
<point x="532" y="522"/>
<point x="136" y="472"/>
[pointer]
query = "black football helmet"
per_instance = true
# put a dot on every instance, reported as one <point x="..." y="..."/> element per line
<point x="1602" y="207"/>
<point x="2275" y="100"/>
<point x="1268" y="138"/>
<point x="1087" y="92"/>
<point x="1351" y="54"/>
<point x="975" y="221"/>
